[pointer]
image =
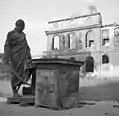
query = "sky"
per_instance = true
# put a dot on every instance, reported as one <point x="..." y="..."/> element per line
<point x="37" y="13"/>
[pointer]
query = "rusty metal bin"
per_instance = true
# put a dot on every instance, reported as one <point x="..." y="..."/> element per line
<point x="57" y="82"/>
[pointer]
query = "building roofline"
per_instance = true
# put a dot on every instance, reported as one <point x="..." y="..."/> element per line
<point x="110" y="25"/>
<point x="73" y="29"/>
<point x="81" y="28"/>
<point x="66" y="19"/>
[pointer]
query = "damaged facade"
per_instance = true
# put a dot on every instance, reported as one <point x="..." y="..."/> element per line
<point x="78" y="36"/>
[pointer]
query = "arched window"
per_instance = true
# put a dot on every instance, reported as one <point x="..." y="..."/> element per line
<point x="89" y="41"/>
<point x="79" y="44"/>
<point x="71" y="40"/>
<point x="116" y="36"/>
<point x="55" y="42"/>
<point x="105" y="59"/>
<point x="68" y="41"/>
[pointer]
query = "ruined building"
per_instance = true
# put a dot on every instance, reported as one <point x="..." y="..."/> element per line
<point x="78" y="36"/>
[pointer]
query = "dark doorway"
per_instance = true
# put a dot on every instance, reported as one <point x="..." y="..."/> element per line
<point x="89" y="64"/>
<point x="105" y="59"/>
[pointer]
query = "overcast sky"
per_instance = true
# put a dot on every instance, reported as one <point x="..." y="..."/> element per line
<point x="36" y="14"/>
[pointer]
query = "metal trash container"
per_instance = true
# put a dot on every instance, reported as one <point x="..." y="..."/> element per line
<point x="57" y="82"/>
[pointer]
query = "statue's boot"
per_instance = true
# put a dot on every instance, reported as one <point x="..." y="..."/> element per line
<point x="15" y="92"/>
<point x="33" y="81"/>
<point x="17" y="95"/>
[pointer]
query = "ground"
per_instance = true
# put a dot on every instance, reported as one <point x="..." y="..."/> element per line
<point x="100" y="109"/>
<point x="102" y="92"/>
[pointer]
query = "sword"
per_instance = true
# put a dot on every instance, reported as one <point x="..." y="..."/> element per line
<point x="9" y="68"/>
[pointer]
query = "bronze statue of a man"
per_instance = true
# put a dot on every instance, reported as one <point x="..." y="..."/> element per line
<point x="17" y="55"/>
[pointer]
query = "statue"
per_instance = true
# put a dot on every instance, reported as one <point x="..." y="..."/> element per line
<point x="17" y="55"/>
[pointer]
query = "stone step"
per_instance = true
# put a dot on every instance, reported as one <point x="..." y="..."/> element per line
<point x="26" y="99"/>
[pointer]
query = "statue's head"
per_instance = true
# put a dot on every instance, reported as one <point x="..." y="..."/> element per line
<point x="20" y="25"/>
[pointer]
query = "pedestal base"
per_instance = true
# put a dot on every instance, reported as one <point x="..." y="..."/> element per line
<point x="23" y="99"/>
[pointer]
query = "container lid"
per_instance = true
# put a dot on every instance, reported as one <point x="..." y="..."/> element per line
<point x="57" y="61"/>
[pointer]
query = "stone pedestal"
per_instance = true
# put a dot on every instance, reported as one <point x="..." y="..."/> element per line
<point x="57" y="83"/>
